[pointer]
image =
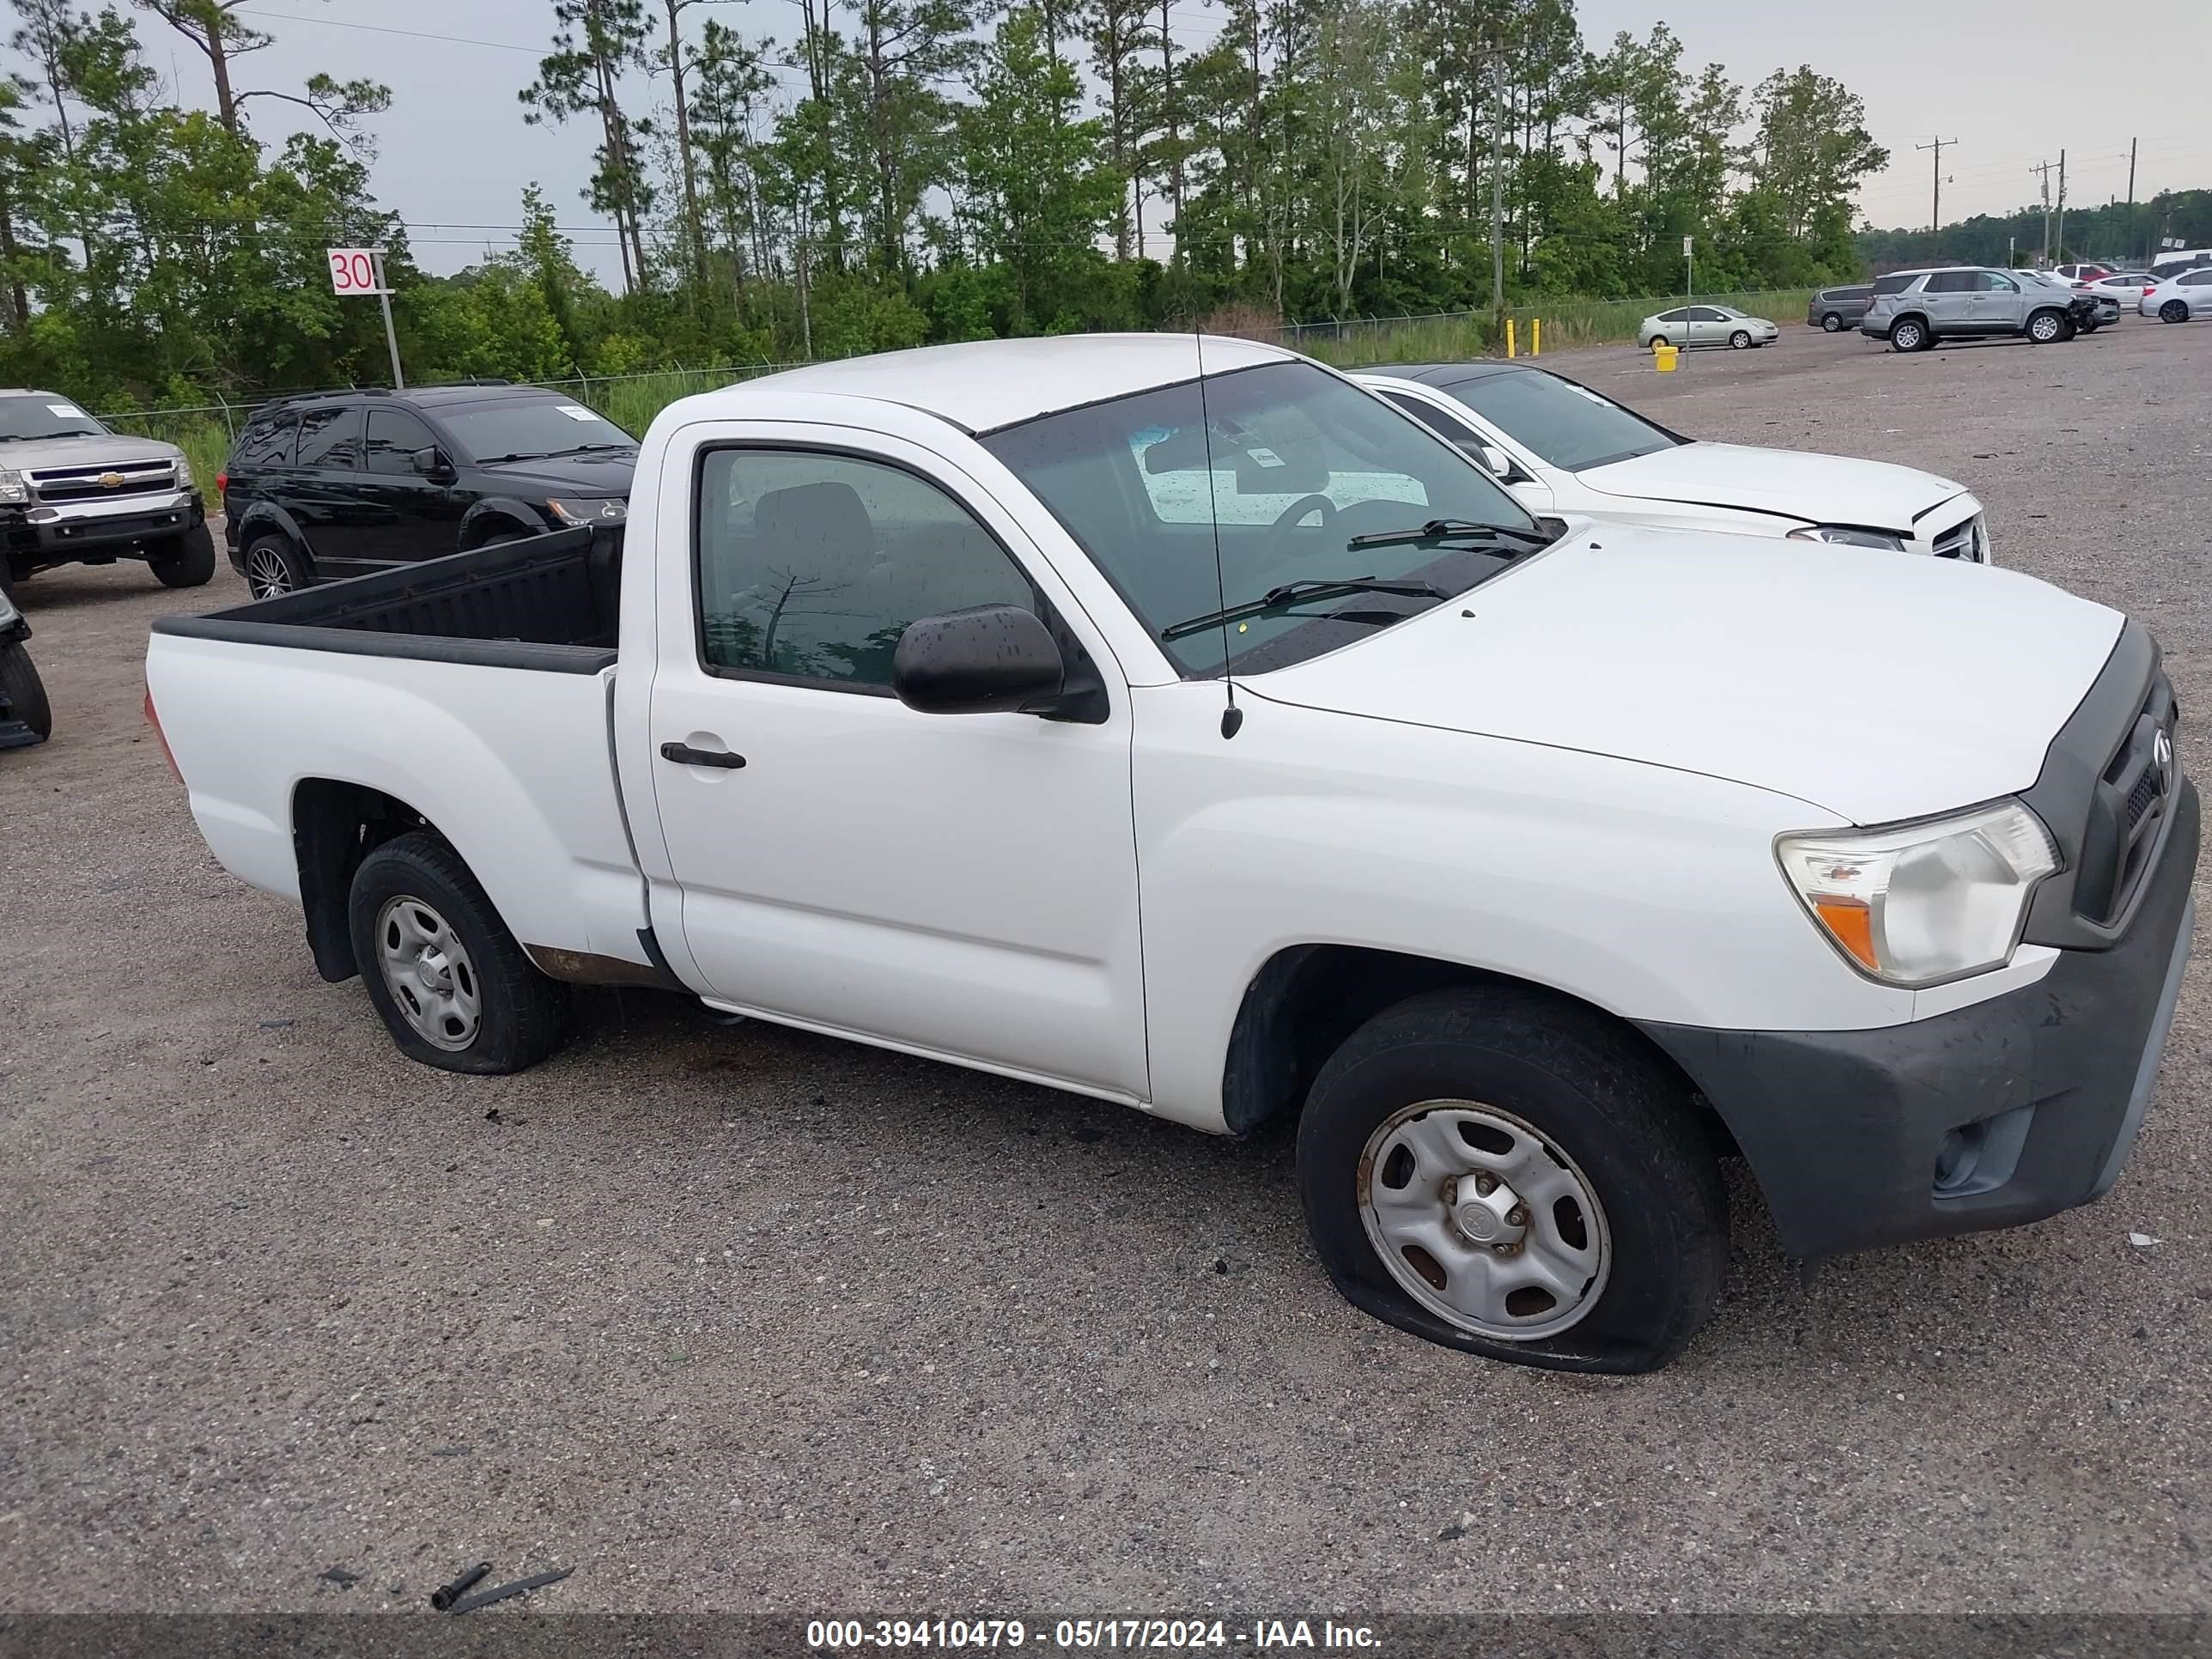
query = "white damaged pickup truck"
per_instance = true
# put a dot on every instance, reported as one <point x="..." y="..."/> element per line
<point x="1174" y="722"/>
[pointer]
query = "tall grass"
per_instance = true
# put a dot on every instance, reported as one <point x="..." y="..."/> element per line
<point x="1567" y="322"/>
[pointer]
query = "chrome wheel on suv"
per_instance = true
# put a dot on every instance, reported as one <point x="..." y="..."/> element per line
<point x="1910" y="335"/>
<point x="2045" y="327"/>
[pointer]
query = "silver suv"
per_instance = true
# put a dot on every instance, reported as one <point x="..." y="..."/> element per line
<point x="1912" y="310"/>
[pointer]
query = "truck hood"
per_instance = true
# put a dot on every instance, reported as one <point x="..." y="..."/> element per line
<point x="26" y="453"/>
<point x="1813" y="488"/>
<point x="1876" y="688"/>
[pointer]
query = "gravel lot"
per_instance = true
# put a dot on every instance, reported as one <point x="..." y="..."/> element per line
<point x="749" y="1319"/>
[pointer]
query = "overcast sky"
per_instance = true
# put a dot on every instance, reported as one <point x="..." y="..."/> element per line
<point x="2014" y="84"/>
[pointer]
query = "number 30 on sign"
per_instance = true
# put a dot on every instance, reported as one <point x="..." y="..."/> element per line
<point x="353" y="269"/>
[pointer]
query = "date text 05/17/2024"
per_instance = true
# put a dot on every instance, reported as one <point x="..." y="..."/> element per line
<point x="1129" y="1633"/>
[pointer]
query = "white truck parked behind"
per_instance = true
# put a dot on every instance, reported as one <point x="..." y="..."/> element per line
<point x="1199" y="733"/>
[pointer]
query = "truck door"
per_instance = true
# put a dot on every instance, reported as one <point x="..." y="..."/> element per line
<point x="958" y="885"/>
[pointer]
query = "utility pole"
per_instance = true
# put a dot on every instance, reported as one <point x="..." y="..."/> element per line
<point x="2131" y="197"/>
<point x="1497" y="191"/>
<point x="2061" y="204"/>
<point x="1935" y="205"/>
<point x="2043" y="167"/>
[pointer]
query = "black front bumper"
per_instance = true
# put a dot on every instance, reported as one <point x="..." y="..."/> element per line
<point x="2044" y="1087"/>
<point x="39" y="542"/>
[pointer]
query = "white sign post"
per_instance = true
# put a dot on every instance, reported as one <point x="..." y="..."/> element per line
<point x="1689" y="269"/>
<point x="360" y="271"/>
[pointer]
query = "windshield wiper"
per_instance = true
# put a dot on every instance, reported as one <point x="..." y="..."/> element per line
<point x="1289" y="593"/>
<point x="501" y="461"/>
<point x="1440" y="530"/>
<point x="586" y="449"/>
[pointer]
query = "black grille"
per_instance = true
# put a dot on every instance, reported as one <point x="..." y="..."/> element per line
<point x="2129" y="809"/>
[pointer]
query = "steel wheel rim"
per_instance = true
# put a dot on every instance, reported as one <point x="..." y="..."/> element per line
<point x="1909" y="335"/>
<point x="2044" y="327"/>
<point x="1484" y="1220"/>
<point x="267" y="574"/>
<point x="429" y="974"/>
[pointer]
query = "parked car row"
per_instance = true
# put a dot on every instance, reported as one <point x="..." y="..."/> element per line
<point x="1177" y="722"/>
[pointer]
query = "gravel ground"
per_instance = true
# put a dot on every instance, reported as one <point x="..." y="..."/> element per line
<point x="749" y="1319"/>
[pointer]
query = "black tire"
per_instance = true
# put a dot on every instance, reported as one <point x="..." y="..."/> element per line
<point x="1831" y="324"/>
<point x="2046" y="326"/>
<point x="521" y="1015"/>
<point x="1911" y="334"/>
<point x="2173" y="311"/>
<point x="25" y="692"/>
<point x="1740" y="341"/>
<point x="1659" y="340"/>
<point x="186" y="560"/>
<point x="273" y="566"/>
<point x="1581" y="1085"/>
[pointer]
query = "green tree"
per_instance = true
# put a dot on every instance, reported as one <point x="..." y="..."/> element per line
<point x="594" y="43"/>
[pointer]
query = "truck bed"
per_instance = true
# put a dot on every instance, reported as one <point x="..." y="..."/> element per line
<point x="475" y="691"/>
<point x="550" y="602"/>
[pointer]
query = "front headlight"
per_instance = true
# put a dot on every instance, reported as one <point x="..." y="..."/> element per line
<point x="12" y="487"/>
<point x="591" y="512"/>
<point x="1844" y="535"/>
<point x="1928" y="902"/>
<point x="184" y="473"/>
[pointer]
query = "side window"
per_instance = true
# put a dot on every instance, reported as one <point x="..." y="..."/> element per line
<point x="394" y="435"/>
<point x="810" y="566"/>
<point x="1681" y="315"/>
<point x="2197" y="279"/>
<point x="1703" y="314"/>
<point x="1452" y="431"/>
<point x="1993" y="281"/>
<point x="266" y="443"/>
<point x="331" y="438"/>
<point x="1948" y="282"/>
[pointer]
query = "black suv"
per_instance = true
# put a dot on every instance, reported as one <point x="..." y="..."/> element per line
<point x="343" y="483"/>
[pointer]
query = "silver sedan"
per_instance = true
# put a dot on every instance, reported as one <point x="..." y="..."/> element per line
<point x="1703" y="325"/>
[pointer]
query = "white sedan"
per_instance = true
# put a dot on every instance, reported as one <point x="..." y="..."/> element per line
<point x="2180" y="299"/>
<point x="1562" y="448"/>
<point x="1700" y="325"/>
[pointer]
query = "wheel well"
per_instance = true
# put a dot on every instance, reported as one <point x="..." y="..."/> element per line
<point x="334" y="827"/>
<point x="496" y="522"/>
<point x="1306" y="1000"/>
<point x="1920" y="317"/>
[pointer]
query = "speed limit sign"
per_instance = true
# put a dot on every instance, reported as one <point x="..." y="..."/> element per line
<point x="353" y="270"/>
<point x="360" y="271"/>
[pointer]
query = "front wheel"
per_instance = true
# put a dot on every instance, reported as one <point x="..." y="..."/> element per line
<point x="1739" y="341"/>
<point x="448" y="978"/>
<point x="1831" y="324"/>
<point x="1502" y="1171"/>
<point x="2173" y="311"/>
<point x="2046" y="326"/>
<point x="1660" y="340"/>
<point x="184" y="561"/>
<point x="23" y="691"/>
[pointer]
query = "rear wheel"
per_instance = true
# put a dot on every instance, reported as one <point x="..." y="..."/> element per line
<point x="24" y="691"/>
<point x="445" y="975"/>
<point x="1911" y="334"/>
<point x="2173" y="311"/>
<point x="1739" y="341"/>
<point x="1501" y="1171"/>
<point x="2045" y="327"/>
<point x="1831" y="324"/>
<point x="186" y="560"/>
<point x="1660" y="340"/>
<point x="274" y="566"/>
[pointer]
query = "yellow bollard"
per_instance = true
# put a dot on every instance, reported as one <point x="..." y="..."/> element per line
<point x="1509" y="337"/>
<point x="1535" y="336"/>
<point x="1664" y="355"/>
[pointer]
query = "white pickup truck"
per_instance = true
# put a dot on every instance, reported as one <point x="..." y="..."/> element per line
<point x="1181" y="725"/>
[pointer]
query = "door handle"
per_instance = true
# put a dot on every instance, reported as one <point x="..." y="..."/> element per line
<point x="685" y="754"/>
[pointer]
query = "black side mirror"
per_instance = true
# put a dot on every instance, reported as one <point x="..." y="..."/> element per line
<point x="989" y="660"/>
<point x="432" y="464"/>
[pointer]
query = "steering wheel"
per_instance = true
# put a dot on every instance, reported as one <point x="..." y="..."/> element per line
<point x="1279" y="532"/>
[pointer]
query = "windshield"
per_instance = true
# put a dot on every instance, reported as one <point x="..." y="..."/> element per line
<point x="1569" y="426"/>
<point x="514" y="428"/>
<point x="1301" y="462"/>
<point x="37" y="415"/>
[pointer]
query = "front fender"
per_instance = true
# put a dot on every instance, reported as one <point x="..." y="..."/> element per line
<point x="498" y="514"/>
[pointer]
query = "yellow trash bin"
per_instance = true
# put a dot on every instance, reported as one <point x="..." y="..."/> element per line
<point x="1663" y="356"/>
